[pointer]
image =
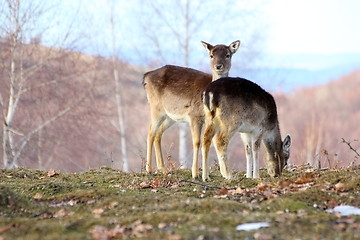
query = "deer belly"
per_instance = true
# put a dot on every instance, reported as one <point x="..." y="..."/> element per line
<point x="248" y="128"/>
<point x="178" y="117"/>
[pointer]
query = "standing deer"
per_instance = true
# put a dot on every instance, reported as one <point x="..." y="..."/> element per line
<point x="238" y="105"/>
<point x="174" y="95"/>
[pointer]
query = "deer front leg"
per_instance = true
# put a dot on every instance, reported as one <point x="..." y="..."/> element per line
<point x="246" y="138"/>
<point x="195" y="131"/>
<point x="255" y="154"/>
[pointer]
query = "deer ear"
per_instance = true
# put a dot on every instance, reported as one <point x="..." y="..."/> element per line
<point x="286" y="143"/>
<point x="207" y="46"/>
<point x="234" y="46"/>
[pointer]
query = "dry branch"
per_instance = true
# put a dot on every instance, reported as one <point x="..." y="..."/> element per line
<point x="350" y="146"/>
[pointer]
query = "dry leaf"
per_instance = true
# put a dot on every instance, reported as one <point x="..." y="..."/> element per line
<point x="304" y="180"/>
<point x="38" y="196"/>
<point x="113" y="204"/>
<point x="62" y="213"/>
<point x="174" y="237"/>
<point x="6" y="228"/>
<point x="238" y="190"/>
<point x="162" y="225"/>
<point x="341" y="187"/>
<point x="144" y="185"/>
<point x="156" y="183"/>
<point x="222" y="191"/>
<point x="284" y="183"/>
<point x="99" y="233"/>
<point x="98" y="211"/>
<point x="262" y="187"/>
<point x="51" y="173"/>
<point x="175" y="186"/>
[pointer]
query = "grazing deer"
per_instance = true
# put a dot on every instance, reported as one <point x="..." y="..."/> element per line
<point x="238" y="105"/>
<point x="174" y="95"/>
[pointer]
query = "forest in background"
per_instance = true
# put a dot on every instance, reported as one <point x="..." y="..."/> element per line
<point x="77" y="93"/>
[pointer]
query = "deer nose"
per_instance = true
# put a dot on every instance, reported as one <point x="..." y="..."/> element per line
<point x="219" y="66"/>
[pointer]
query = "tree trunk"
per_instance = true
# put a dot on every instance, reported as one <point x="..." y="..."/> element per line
<point x="183" y="129"/>
<point x="120" y="110"/>
<point x="8" y="154"/>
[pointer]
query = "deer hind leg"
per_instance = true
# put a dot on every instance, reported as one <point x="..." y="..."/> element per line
<point x="208" y="136"/>
<point x="221" y="144"/>
<point x="196" y="126"/>
<point x="157" y="143"/>
<point x="156" y="122"/>
<point x="246" y="138"/>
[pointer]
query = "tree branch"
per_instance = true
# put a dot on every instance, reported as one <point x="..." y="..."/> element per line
<point x="350" y="146"/>
<point x="28" y="136"/>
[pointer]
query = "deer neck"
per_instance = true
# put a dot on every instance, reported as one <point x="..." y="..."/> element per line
<point x="272" y="142"/>
<point x="217" y="75"/>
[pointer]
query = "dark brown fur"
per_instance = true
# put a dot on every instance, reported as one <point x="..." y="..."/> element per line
<point x="246" y="93"/>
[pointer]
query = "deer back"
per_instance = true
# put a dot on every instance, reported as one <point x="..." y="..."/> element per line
<point x="242" y="103"/>
<point x="176" y="89"/>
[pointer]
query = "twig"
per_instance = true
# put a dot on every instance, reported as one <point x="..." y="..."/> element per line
<point x="350" y="146"/>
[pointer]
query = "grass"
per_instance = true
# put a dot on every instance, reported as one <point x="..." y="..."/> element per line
<point x="109" y="204"/>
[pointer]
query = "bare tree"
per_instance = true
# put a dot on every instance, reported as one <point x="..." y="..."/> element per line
<point x="120" y="111"/>
<point x="21" y="61"/>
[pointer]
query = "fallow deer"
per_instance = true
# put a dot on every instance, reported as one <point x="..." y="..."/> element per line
<point x="174" y="95"/>
<point x="238" y="105"/>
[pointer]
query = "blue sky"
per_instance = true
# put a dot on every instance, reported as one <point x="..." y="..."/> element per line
<point x="312" y="35"/>
<point x="313" y="26"/>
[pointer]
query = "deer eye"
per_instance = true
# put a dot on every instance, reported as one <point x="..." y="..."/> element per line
<point x="211" y="56"/>
<point x="228" y="55"/>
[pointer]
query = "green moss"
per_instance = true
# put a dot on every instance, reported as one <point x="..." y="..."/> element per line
<point x="68" y="206"/>
<point x="285" y="204"/>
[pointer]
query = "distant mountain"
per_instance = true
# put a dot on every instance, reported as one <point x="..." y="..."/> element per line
<point x="288" y="72"/>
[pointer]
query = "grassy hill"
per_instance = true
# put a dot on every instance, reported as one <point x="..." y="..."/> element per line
<point x="109" y="204"/>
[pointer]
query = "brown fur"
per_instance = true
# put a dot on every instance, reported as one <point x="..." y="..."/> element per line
<point x="174" y="95"/>
<point x="238" y="105"/>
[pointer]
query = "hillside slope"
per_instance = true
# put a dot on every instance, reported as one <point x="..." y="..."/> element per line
<point x="318" y="118"/>
<point x="87" y="137"/>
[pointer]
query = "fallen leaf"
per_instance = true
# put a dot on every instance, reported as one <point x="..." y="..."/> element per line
<point x="174" y="237"/>
<point x="113" y="204"/>
<point x="222" y="191"/>
<point x="62" y="213"/>
<point x="99" y="233"/>
<point x="98" y="211"/>
<point x="140" y="229"/>
<point x="341" y="187"/>
<point x="7" y="227"/>
<point x="262" y="187"/>
<point x="144" y="185"/>
<point x="175" y="186"/>
<point x="51" y="173"/>
<point x="304" y="180"/>
<point x="38" y="196"/>
<point x="263" y="236"/>
<point x="284" y="183"/>
<point x="238" y="190"/>
<point x="162" y="225"/>
<point x="156" y="183"/>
